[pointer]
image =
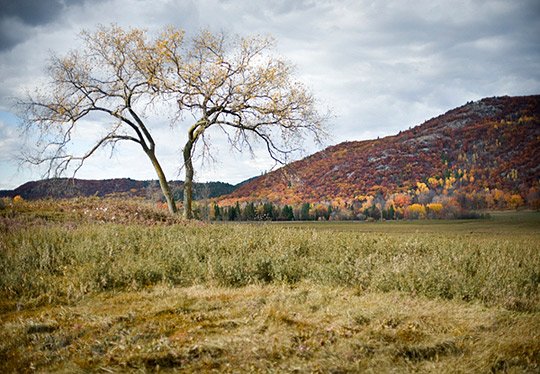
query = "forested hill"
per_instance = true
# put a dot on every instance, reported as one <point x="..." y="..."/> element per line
<point x="126" y="187"/>
<point x="485" y="152"/>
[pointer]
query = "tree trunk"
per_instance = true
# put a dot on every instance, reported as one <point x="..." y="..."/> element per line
<point x="163" y="183"/>
<point x="188" y="182"/>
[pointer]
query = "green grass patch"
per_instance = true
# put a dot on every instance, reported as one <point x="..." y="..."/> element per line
<point x="505" y="222"/>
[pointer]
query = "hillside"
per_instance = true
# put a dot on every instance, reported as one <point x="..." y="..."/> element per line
<point x="67" y="188"/>
<point x="488" y="147"/>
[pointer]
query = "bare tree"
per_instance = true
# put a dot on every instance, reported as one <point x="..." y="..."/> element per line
<point x="233" y="84"/>
<point x="104" y="80"/>
<point x="237" y="86"/>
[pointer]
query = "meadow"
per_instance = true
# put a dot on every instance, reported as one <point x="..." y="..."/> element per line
<point x="113" y="286"/>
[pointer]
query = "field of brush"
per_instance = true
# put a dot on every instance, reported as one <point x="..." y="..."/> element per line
<point x="114" y="286"/>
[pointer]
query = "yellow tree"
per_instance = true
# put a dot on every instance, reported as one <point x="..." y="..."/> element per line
<point x="236" y="86"/>
<point x="105" y="82"/>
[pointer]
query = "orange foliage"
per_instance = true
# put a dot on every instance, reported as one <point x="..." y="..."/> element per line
<point x="515" y="201"/>
<point x="402" y="200"/>
<point x="495" y="150"/>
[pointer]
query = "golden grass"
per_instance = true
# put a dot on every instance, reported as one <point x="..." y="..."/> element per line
<point x="305" y="328"/>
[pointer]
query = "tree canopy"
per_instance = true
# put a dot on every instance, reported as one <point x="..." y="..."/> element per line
<point x="237" y="86"/>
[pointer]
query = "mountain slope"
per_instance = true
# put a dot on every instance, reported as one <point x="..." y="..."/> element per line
<point x="488" y="144"/>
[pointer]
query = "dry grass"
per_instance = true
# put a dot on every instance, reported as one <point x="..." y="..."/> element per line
<point x="58" y="263"/>
<point x="83" y="293"/>
<point x="306" y="328"/>
<point x="77" y="211"/>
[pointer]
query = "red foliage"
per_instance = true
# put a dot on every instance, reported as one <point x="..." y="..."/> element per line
<point x="492" y="143"/>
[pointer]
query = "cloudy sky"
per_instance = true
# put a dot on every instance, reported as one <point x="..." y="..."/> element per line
<point x="382" y="66"/>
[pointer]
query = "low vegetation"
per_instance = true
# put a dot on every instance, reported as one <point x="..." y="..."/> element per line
<point x="108" y="285"/>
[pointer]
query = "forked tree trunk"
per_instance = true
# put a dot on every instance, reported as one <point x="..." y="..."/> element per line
<point x="188" y="182"/>
<point x="163" y="183"/>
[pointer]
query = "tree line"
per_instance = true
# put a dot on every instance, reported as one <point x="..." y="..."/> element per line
<point x="420" y="203"/>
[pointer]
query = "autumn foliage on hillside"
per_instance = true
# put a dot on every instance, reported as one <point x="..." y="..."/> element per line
<point x="482" y="155"/>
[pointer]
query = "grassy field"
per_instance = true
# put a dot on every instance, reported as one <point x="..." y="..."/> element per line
<point x="508" y="222"/>
<point x="110" y="286"/>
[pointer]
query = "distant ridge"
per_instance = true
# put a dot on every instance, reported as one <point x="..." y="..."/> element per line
<point x="59" y="188"/>
<point x="493" y="143"/>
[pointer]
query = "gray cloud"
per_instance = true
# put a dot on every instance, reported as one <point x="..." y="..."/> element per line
<point x="19" y="17"/>
<point x="32" y="12"/>
<point x="12" y="32"/>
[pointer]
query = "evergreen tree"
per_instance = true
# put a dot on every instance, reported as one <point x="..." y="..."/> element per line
<point x="391" y="212"/>
<point x="287" y="213"/>
<point x="231" y="213"/>
<point x="329" y="212"/>
<point x="238" y="211"/>
<point x="268" y="211"/>
<point x="304" y="212"/>
<point x="218" y="216"/>
<point x="249" y="212"/>
<point x="375" y="212"/>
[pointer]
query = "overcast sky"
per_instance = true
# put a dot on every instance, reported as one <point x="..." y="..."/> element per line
<point x="382" y="66"/>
